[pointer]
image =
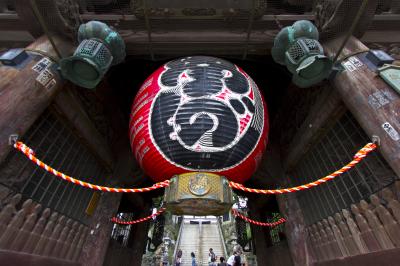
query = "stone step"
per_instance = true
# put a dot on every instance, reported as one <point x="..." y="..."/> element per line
<point x="190" y="238"/>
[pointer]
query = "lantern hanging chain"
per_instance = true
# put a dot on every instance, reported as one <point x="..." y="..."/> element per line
<point x="358" y="157"/>
<point x="247" y="219"/>
<point x="122" y="222"/>
<point x="31" y="155"/>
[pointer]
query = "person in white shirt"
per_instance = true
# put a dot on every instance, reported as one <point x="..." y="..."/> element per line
<point x="212" y="258"/>
<point x="239" y="252"/>
<point x="231" y="259"/>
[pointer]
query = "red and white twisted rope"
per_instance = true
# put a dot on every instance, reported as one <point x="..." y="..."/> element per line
<point x="119" y="221"/>
<point x="247" y="219"/>
<point x="31" y="155"/>
<point x="358" y="157"/>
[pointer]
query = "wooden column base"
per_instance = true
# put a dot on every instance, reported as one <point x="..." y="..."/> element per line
<point x="8" y="257"/>
<point x="389" y="257"/>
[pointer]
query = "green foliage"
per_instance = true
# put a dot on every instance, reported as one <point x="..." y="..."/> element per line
<point x="248" y="231"/>
<point x="274" y="231"/>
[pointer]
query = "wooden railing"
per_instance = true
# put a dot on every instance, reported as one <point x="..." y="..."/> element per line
<point x="32" y="230"/>
<point x="363" y="228"/>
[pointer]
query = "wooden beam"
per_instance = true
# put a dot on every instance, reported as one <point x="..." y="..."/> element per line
<point x="16" y="36"/>
<point x="380" y="36"/>
<point x="69" y="107"/>
<point x="266" y="22"/>
<point x="189" y="42"/>
<point x="328" y="107"/>
<point x="190" y="36"/>
<point x="22" y="97"/>
<point x="385" y="22"/>
<point x="129" y="22"/>
<point x="11" y="22"/>
<point x="372" y="101"/>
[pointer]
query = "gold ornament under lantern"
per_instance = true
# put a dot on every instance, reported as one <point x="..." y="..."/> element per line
<point x="198" y="194"/>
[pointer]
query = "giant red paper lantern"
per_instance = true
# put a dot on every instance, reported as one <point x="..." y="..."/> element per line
<point x="199" y="114"/>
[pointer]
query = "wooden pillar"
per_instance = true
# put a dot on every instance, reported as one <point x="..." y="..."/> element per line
<point x="327" y="108"/>
<point x="27" y="89"/>
<point x="95" y="247"/>
<point x="260" y="234"/>
<point x="138" y="235"/>
<point x="373" y="102"/>
<point x="96" y="244"/>
<point x="296" y="233"/>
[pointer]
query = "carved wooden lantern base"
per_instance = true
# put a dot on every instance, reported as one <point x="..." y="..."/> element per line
<point x="198" y="194"/>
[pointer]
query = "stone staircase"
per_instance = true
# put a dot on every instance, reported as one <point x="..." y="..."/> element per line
<point x="189" y="242"/>
<point x="210" y="238"/>
<point x="199" y="238"/>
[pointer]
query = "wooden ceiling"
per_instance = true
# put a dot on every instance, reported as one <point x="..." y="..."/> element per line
<point x="160" y="37"/>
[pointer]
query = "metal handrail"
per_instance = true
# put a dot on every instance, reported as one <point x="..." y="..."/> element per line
<point x="200" y="259"/>
<point x="178" y="240"/>
<point x="222" y="238"/>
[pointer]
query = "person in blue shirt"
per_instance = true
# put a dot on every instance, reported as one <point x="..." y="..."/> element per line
<point x="164" y="257"/>
<point x="193" y="259"/>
